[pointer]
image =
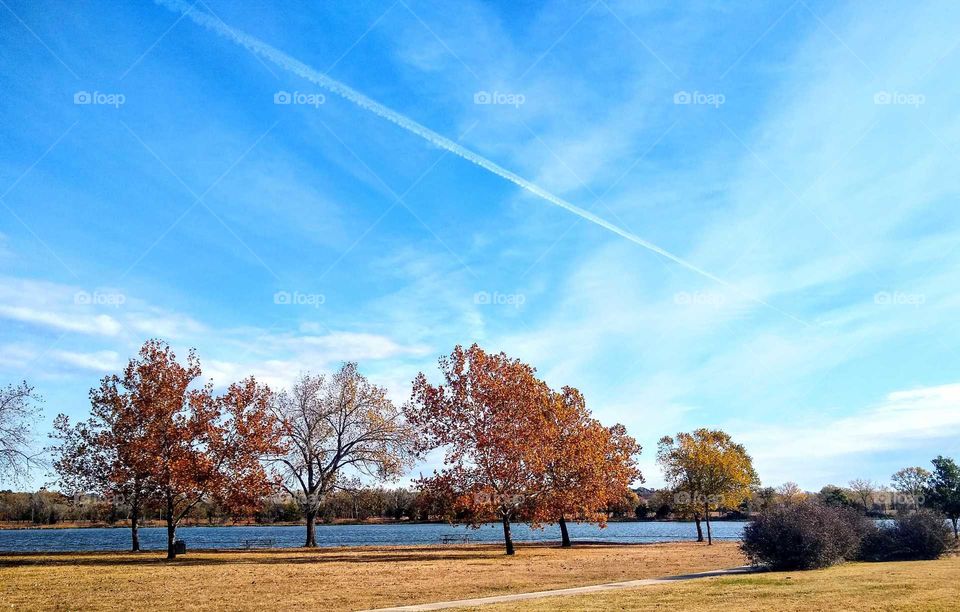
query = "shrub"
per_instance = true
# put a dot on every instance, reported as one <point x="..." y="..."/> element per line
<point x="804" y="535"/>
<point x="923" y="535"/>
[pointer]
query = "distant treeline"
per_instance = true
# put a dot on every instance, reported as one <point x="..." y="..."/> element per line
<point x="51" y="507"/>
<point x="46" y="507"/>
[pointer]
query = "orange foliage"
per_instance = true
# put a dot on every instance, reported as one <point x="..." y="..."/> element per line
<point x="590" y="466"/>
<point x="515" y="447"/>
<point x="163" y="438"/>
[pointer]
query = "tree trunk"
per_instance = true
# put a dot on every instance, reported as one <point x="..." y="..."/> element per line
<point x="956" y="533"/>
<point x="311" y="528"/>
<point x="134" y="524"/>
<point x="564" y="534"/>
<point x="171" y="530"/>
<point x="696" y="518"/>
<point x="706" y="516"/>
<point x="507" y="540"/>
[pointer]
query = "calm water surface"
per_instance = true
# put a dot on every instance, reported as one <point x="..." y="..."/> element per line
<point x="57" y="540"/>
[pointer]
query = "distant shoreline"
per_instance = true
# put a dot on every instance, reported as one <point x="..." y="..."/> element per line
<point x="340" y="523"/>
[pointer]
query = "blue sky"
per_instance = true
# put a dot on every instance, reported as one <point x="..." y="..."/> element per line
<point x="799" y="158"/>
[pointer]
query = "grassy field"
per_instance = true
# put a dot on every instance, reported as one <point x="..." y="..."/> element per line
<point x="333" y="578"/>
<point x="914" y="585"/>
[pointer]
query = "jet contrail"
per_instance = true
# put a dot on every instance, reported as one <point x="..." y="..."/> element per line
<point x="297" y="67"/>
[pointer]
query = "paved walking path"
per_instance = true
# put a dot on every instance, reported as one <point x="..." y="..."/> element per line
<point x="596" y="588"/>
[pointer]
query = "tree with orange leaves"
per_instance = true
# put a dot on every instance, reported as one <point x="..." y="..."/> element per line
<point x="490" y="417"/>
<point x="170" y="441"/>
<point x="101" y="455"/>
<point x="588" y="467"/>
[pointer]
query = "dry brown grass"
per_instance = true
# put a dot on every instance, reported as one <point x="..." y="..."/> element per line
<point x="335" y="578"/>
<point x="918" y="586"/>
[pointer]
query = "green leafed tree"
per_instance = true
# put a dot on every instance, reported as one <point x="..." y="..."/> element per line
<point x="910" y="483"/>
<point x="943" y="490"/>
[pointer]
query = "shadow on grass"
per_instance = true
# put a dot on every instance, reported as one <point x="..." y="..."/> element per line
<point x="282" y="556"/>
<point x="222" y="559"/>
<point x="731" y="572"/>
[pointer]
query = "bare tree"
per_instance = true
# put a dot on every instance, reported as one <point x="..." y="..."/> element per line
<point x="19" y="409"/>
<point x="864" y="491"/>
<point x="790" y="493"/>
<point x="338" y="427"/>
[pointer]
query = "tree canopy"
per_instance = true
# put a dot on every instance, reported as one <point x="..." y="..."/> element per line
<point x="707" y="471"/>
<point x="513" y="446"/>
<point x="910" y="482"/>
<point x="337" y="426"/>
<point x="589" y="467"/>
<point x="154" y="434"/>
<point x="943" y="490"/>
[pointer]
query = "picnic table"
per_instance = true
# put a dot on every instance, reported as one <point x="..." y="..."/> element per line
<point x="455" y="538"/>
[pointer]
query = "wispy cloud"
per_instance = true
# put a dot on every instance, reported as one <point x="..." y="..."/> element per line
<point x="348" y="93"/>
<point x="925" y="417"/>
<point x="99" y="361"/>
<point x="90" y="324"/>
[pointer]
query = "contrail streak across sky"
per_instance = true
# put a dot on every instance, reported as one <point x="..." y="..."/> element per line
<point x="297" y="67"/>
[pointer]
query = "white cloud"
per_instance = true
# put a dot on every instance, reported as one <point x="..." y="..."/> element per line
<point x="104" y="325"/>
<point x="275" y="357"/>
<point x="56" y="362"/>
<point x="154" y="322"/>
<point x="905" y="419"/>
<point x="96" y="312"/>
<point x="352" y="346"/>
<point x="99" y="361"/>
<point x="13" y="356"/>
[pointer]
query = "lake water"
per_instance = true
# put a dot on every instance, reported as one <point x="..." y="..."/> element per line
<point x="58" y="540"/>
